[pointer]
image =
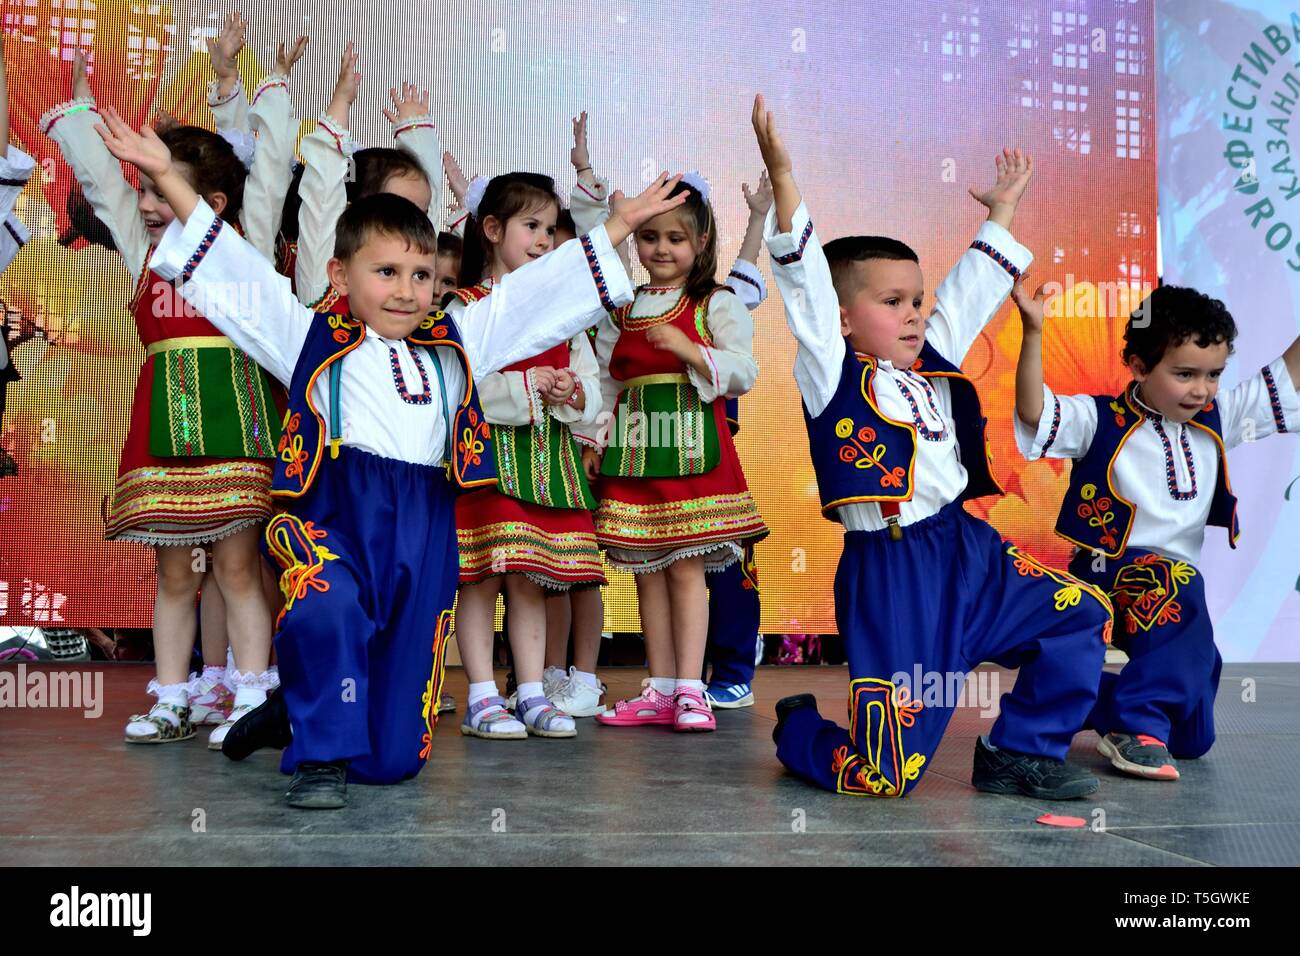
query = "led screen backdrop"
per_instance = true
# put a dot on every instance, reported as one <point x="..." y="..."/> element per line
<point x="891" y="110"/>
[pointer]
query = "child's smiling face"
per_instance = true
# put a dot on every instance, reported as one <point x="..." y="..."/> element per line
<point x="667" y="246"/>
<point x="389" y="284"/>
<point x="526" y="236"/>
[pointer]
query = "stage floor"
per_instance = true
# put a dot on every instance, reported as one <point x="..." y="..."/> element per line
<point x="72" y="793"/>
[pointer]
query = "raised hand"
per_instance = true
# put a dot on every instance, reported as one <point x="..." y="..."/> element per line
<point x="579" y="156"/>
<point x="1032" y="308"/>
<point x="775" y="156"/>
<point x="628" y="214"/>
<point x="412" y="102"/>
<point x="345" y="87"/>
<point x="455" y="177"/>
<point x="760" y="200"/>
<point x="80" y="84"/>
<point x="1014" y="170"/>
<point x="143" y="150"/>
<point x="285" y="60"/>
<point x="223" y="49"/>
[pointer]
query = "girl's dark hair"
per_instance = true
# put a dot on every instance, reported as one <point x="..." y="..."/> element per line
<point x="505" y="197"/>
<point x="1172" y="315"/>
<point x="564" y="222"/>
<point x="375" y="166"/>
<point x="698" y="214"/>
<point x="212" y="161"/>
<point x="450" y="244"/>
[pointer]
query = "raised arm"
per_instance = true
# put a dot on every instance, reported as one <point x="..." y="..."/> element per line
<point x="802" y="274"/>
<point x="1029" y="367"/>
<point x="744" y="279"/>
<point x="232" y="285"/>
<point x="276" y="129"/>
<point x="226" y="92"/>
<point x="970" y="295"/>
<point x="415" y="134"/>
<point x="327" y="157"/>
<point x="589" y="203"/>
<point x="71" y="125"/>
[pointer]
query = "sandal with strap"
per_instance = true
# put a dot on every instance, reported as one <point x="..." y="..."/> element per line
<point x="648" y="707"/>
<point x="218" y="736"/>
<point x="688" y="701"/>
<point x="484" y="727"/>
<point x="164" y="731"/>
<point x="545" y="718"/>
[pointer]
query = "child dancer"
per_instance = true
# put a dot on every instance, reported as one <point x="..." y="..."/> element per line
<point x="195" y="468"/>
<point x="670" y="528"/>
<point x="1150" y="472"/>
<point x="671" y="508"/>
<point x="534" y="530"/>
<point x="920" y="580"/>
<point x="365" y="622"/>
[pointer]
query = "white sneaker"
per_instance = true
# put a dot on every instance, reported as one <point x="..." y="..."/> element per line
<point x="552" y="678"/>
<point x="577" y="698"/>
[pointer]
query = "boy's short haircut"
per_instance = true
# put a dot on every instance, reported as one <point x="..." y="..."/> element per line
<point x="373" y="168"/>
<point x="450" y="244"/>
<point x="383" y="214"/>
<point x="844" y="254"/>
<point x="1171" y="316"/>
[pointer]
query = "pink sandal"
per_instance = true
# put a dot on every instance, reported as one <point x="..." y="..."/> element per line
<point x="649" y="707"/>
<point x="688" y="700"/>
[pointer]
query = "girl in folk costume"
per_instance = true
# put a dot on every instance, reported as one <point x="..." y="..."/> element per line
<point x="196" y="466"/>
<point x="533" y="530"/>
<point x="674" y="501"/>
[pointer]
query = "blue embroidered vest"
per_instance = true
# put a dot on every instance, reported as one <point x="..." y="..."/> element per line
<point x="329" y="339"/>
<point x="860" y="455"/>
<point x="1093" y="515"/>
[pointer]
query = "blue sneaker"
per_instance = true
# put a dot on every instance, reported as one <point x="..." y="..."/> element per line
<point x="729" y="696"/>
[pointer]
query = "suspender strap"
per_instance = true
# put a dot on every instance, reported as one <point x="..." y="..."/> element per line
<point x="446" y="414"/>
<point x="336" y="420"/>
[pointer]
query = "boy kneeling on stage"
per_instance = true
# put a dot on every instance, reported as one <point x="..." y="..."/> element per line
<point x="897" y="441"/>
<point x="367" y="540"/>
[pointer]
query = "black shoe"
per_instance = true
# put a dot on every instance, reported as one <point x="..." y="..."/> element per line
<point x="787" y="706"/>
<point x="1139" y="755"/>
<point x="1005" y="771"/>
<point x="319" y="786"/>
<point x="266" y="725"/>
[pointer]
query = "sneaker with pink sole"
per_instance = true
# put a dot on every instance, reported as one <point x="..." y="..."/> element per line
<point x="648" y="707"/>
<point x="691" y="712"/>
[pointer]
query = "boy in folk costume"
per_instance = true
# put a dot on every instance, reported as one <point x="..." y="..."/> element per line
<point x="897" y="443"/>
<point x="1150" y="472"/>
